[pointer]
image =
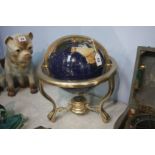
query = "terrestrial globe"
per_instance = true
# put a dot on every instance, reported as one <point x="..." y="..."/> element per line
<point x="77" y="63"/>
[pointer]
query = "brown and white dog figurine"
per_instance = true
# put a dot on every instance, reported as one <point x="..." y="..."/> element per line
<point x="18" y="62"/>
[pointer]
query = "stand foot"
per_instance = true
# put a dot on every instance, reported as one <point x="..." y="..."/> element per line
<point x="52" y="116"/>
<point x="105" y="116"/>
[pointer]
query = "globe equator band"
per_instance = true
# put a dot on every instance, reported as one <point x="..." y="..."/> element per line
<point x="79" y="83"/>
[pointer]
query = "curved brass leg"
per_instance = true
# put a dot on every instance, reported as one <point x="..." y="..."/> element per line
<point x="52" y="115"/>
<point x="104" y="115"/>
<point x="99" y="107"/>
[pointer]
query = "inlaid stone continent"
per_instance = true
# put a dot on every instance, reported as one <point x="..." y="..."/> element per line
<point x="76" y="60"/>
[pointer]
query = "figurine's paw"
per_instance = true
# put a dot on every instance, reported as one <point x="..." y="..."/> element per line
<point x="33" y="89"/>
<point x="11" y="92"/>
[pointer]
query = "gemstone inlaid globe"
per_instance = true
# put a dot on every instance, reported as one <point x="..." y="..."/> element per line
<point x="76" y="60"/>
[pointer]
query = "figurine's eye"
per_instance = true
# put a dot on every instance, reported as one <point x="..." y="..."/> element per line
<point x="30" y="48"/>
<point x="18" y="50"/>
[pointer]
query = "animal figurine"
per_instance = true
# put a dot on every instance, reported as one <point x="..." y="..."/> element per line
<point x="18" y="62"/>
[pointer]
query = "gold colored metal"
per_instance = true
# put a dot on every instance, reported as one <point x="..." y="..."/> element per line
<point x="78" y="104"/>
<point x="104" y="115"/>
<point x="51" y="116"/>
<point x="78" y="83"/>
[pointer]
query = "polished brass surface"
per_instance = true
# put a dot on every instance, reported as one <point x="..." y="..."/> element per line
<point x="52" y="114"/>
<point x="78" y="104"/>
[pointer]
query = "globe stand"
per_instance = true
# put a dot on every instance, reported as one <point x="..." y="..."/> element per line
<point x="78" y="104"/>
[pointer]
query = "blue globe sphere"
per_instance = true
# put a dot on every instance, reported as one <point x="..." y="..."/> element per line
<point x="76" y="60"/>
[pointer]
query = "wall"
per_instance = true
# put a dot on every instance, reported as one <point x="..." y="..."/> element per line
<point x="120" y="42"/>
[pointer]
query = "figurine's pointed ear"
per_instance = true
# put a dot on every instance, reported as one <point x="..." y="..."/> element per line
<point x="30" y="35"/>
<point x="8" y="39"/>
